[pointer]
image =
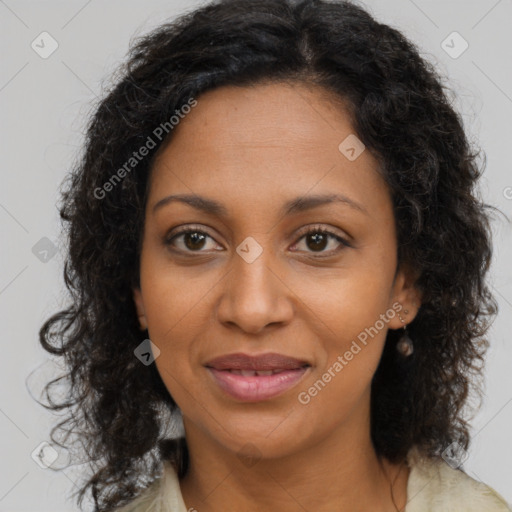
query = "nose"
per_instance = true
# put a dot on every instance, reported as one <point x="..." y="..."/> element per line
<point x="255" y="295"/>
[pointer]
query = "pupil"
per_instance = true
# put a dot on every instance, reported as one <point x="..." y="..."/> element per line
<point x="318" y="238"/>
<point x="196" y="238"/>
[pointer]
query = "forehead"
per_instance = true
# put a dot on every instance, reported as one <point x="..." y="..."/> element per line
<point x="265" y="141"/>
<point x="274" y="115"/>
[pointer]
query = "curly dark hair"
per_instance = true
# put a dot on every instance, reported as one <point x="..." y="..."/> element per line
<point x="400" y="109"/>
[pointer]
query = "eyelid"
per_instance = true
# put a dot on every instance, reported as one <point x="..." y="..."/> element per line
<point x="320" y="228"/>
<point x="187" y="228"/>
<point x="179" y="230"/>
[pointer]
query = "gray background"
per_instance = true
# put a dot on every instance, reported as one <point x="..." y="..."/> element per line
<point x="43" y="105"/>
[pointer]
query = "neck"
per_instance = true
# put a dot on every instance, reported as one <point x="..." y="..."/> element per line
<point x="342" y="472"/>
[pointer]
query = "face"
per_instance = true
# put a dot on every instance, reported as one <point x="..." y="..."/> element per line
<point x="259" y="272"/>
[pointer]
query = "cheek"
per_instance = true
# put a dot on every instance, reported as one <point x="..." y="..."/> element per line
<point x="350" y="355"/>
<point x="173" y="296"/>
<point x="351" y="315"/>
<point x="171" y="304"/>
<point x="345" y="304"/>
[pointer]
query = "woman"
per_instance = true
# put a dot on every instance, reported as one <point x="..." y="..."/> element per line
<point x="274" y="238"/>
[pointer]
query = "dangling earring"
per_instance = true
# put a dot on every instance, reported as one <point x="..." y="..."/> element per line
<point x="405" y="345"/>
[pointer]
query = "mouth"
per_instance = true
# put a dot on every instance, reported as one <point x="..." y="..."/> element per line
<point x="256" y="378"/>
<point x="254" y="373"/>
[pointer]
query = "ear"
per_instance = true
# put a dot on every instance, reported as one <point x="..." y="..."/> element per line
<point x="139" y="305"/>
<point x="405" y="298"/>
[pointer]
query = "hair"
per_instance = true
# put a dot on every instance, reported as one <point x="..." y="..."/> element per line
<point x="402" y="112"/>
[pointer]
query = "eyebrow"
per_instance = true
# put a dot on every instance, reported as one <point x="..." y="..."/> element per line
<point x="299" y="204"/>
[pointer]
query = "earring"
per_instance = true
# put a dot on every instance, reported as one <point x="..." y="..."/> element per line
<point x="405" y="345"/>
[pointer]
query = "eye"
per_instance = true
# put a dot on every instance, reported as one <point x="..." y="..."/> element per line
<point x="317" y="238"/>
<point x="192" y="239"/>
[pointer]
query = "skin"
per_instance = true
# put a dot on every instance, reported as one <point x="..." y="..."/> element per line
<point x="253" y="149"/>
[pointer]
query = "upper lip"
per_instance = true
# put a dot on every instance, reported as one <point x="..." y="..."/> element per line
<point x="268" y="361"/>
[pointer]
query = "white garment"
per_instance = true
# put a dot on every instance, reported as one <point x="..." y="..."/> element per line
<point x="433" y="486"/>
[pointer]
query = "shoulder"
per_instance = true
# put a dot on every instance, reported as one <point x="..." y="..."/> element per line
<point x="163" y="495"/>
<point x="146" y="501"/>
<point x="434" y="485"/>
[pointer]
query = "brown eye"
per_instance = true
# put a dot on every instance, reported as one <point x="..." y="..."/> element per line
<point x="194" y="240"/>
<point x="317" y="240"/>
<point x="189" y="239"/>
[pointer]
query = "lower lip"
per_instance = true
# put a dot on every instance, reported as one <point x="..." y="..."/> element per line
<point x="257" y="388"/>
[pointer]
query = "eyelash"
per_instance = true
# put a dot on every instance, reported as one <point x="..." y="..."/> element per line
<point x="303" y="233"/>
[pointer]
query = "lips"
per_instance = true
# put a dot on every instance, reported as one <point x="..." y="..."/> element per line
<point x="261" y="363"/>
<point x="256" y="378"/>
